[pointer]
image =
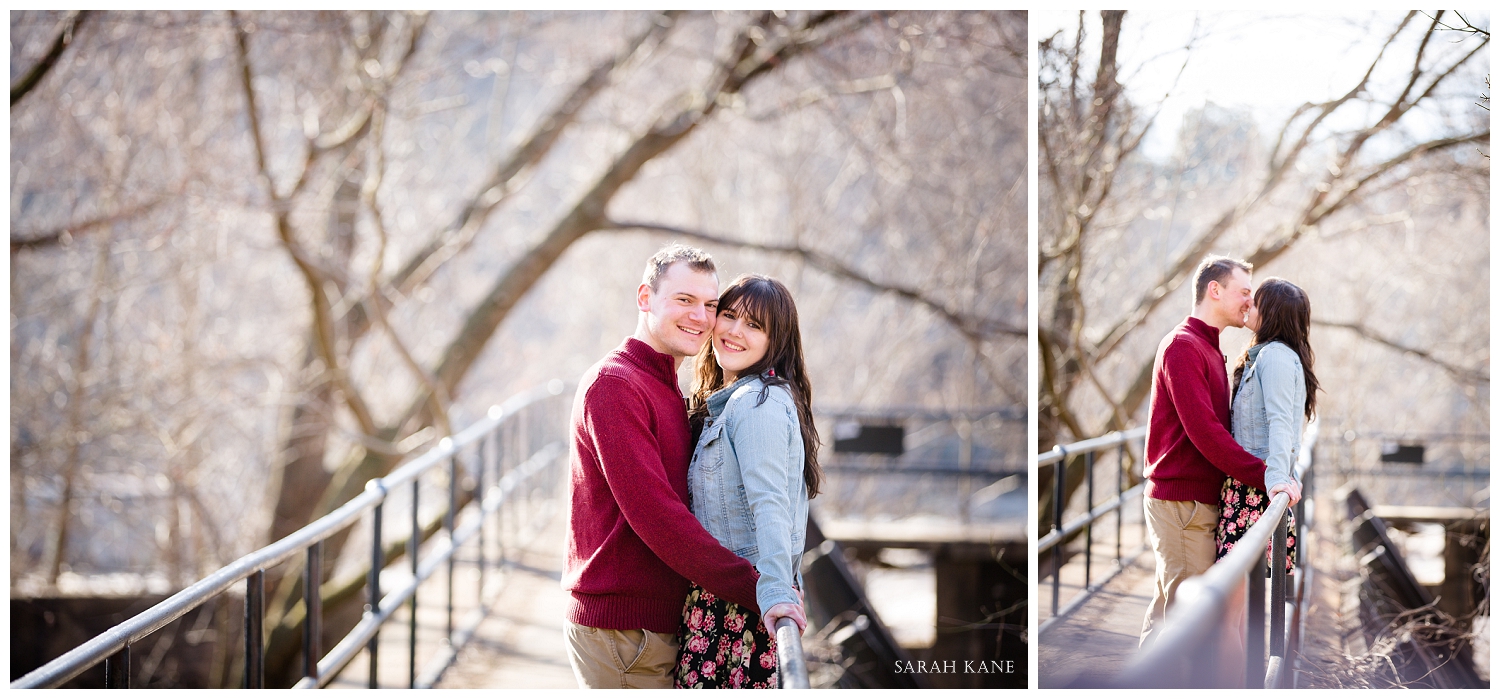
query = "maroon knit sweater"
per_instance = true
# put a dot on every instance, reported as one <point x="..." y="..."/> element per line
<point x="1189" y="448"/>
<point x="633" y="545"/>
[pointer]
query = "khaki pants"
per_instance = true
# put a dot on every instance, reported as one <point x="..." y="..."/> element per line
<point x="1182" y="535"/>
<point x="621" y="658"/>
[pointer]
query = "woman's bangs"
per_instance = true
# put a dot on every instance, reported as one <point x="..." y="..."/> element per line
<point x="753" y="302"/>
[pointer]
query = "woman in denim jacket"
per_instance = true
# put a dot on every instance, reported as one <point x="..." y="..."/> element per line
<point x="753" y="470"/>
<point x="1274" y="391"/>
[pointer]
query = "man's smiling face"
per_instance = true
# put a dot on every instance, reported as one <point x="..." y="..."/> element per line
<point x="680" y="311"/>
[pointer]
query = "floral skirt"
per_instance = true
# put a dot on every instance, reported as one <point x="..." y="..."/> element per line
<point x="723" y="646"/>
<point x="1240" y="507"/>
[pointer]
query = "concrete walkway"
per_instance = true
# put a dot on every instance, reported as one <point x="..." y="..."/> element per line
<point x="519" y="644"/>
<point x="1099" y="638"/>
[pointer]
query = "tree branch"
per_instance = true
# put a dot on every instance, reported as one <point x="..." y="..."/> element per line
<point x="1461" y="374"/>
<point x="33" y="77"/>
<point x="509" y="176"/>
<point x="323" y="330"/>
<point x="65" y="234"/>
<point x="749" y="62"/>
<point x="972" y="328"/>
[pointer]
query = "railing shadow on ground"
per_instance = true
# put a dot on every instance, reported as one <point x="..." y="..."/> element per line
<point x="535" y="421"/>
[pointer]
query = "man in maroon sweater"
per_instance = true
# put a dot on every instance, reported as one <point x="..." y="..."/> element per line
<point x="1189" y="448"/>
<point x="633" y="545"/>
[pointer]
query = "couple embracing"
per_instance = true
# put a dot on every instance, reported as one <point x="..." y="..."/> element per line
<point x="689" y="514"/>
<point x="1216" y="449"/>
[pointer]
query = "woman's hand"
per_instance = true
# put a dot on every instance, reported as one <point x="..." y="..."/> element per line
<point x="1292" y="489"/>
<point x="785" y="610"/>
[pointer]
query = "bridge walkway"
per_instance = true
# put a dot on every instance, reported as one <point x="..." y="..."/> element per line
<point x="1099" y="637"/>
<point x="518" y="645"/>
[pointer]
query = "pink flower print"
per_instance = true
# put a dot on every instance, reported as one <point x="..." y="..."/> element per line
<point x="708" y="620"/>
<point x="708" y="597"/>
<point x="695" y="620"/>
<point x="708" y="668"/>
<point x="690" y="678"/>
<point x="1230" y="528"/>
<point x="735" y="622"/>
<point x="737" y="677"/>
<point x="767" y="660"/>
<point x="698" y="644"/>
<point x="1252" y="499"/>
<point x="736" y="648"/>
<point x="1231" y="497"/>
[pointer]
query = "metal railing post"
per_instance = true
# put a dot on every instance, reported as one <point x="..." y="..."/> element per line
<point x="312" y="599"/>
<point x="1255" y="624"/>
<point x="1088" y="534"/>
<point x="1059" y="474"/>
<point x="377" y="562"/>
<point x="502" y="509"/>
<point x="411" y="554"/>
<point x="448" y="525"/>
<point x="1278" y="589"/>
<point x="791" y="665"/>
<point x="117" y="669"/>
<point x="255" y="614"/>
<point x="1120" y="513"/>
<point x="480" y="464"/>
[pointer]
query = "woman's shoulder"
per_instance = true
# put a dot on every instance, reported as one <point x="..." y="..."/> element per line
<point x="1279" y="351"/>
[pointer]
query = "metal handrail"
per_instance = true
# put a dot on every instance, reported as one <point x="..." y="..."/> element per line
<point x="113" y="646"/>
<point x="790" y="662"/>
<point x="1187" y="653"/>
<point x="1062" y="532"/>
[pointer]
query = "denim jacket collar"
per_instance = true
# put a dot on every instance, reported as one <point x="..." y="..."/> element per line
<point x="1252" y="353"/>
<point x="718" y="399"/>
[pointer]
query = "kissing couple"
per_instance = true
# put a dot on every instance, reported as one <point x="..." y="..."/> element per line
<point x="689" y="514"/>
<point x="1218" y="449"/>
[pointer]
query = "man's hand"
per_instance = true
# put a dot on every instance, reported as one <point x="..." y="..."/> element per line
<point x="1292" y="489"/>
<point x="785" y="610"/>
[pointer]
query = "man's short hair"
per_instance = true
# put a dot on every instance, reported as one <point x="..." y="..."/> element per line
<point x="1215" y="268"/>
<point x="656" y="267"/>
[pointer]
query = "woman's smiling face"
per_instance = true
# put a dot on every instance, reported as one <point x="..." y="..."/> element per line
<point x="739" y="342"/>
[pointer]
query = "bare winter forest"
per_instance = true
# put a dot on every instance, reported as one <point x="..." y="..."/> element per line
<point x="256" y="258"/>
<point x="1374" y="200"/>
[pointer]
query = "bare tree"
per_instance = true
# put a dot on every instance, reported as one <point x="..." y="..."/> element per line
<point x="1098" y="323"/>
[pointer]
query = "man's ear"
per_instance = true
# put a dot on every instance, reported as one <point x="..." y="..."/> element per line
<point x="1214" y="289"/>
<point x="643" y="298"/>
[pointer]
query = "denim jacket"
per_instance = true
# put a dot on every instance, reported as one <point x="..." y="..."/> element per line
<point x="746" y="484"/>
<point x="1266" y="418"/>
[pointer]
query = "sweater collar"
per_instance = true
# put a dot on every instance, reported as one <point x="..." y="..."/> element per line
<point x="662" y="366"/>
<point x="1203" y="330"/>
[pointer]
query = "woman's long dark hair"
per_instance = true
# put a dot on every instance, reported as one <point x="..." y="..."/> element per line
<point x="1285" y="314"/>
<point x="768" y="303"/>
